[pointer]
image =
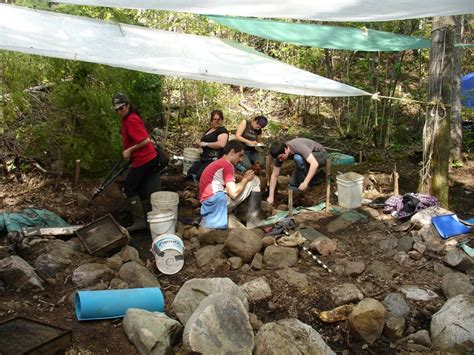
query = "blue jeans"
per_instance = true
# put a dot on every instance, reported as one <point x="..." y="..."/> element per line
<point x="302" y="167"/>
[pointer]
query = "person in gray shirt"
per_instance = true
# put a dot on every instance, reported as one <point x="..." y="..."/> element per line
<point x="308" y="156"/>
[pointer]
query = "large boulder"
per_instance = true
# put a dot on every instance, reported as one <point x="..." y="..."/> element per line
<point x="243" y="243"/>
<point x="90" y="274"/>
<point x="279" y="257"/>
<point x="137" y="275"/>
<point x="452" y="327"/>
<point x="289" y="336"/>
<point x="59" y="256"/>
<point x="367" y="320"/>
<point x="18" y="273"/>
<point x="456" y="283"/>
<point x="219" y="325"/>
<point x="151" y="332"/>
<point x="214" y="236"/>
<point x="194" y="291"/>
<point x="207" y="254"/>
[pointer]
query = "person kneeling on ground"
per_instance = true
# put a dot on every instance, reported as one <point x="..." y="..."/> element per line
<point x="248" y="132"/>
<point x="308" y="157"/>
<point x="219" y="194"/>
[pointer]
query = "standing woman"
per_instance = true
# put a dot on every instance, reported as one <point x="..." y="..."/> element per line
<point x="139" y="150"/>
<point x="212" y="143"/>
<point x="248" y="132"/>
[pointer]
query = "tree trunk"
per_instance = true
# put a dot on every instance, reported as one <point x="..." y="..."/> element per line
<point x="456" y="114"/>
<point x="436" y="132"/>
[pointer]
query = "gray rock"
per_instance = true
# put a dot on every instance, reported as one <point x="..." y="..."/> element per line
<point x="442" y="270"/>
<point x="90" y="274"/>
<point x="355" y="268"/>
<point x="403" y="259"/>
<point x="456" y="283"/>
<point x="220" y="325"/>
<point x="345" y="293"/>
<point x="59" y="256"/>
<point x="421" y="337"/>
<point x="415" y="255"/>
<point x="394" y="327"/>
<point x="294" y="278"/>
<point x="290" y="336"/>
<point x="405" y="243"/>
<point x="4" y="252"/>
<point x="459" y="260"/>
<point x="115" y="262"/>
<point x="452" y="327"/>
<point x="207" y="254"/>
<point x="381" y="270"/>
<point x="117" y="283"/>
<point x="245" y="268"/>
<point x="213" y="237"/>
<point x="235" y="262"/>
<point x="396" y="305"/>
<point x="151" y="332"/>
<point x="243" y="243"/>
<point x="190" y="233"/>
<point x="279" y="257"/>
<point x="416" y="293"/>
<point x="367" y="320"/>
<point x="419" y="247"/>
<point x="257" y="289"/>
<point x="18" y="273"/>
<point x="129" y="253"/>
<point x="194" y="291"/>
<point x="137" y="275"/>
<point x="257" y="262"/>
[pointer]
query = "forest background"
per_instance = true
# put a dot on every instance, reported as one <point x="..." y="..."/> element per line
<point x="56" y="111"/>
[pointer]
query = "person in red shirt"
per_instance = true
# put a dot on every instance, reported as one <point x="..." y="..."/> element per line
<point x="219" y="194"/>
<point x="143" y="157"/>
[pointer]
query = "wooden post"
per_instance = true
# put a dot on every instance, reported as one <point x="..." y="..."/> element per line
<point x="360" y="156"/>
<point x="77" y="172"/>
<point x="290" y="202"/>
<point x="328" y="185"/>
<point x="395" y="182"/>
<point x="268" y="169"/>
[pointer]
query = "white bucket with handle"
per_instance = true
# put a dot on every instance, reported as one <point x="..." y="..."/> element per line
<point x="190" y="156"/>
<point x="161" y="222"/>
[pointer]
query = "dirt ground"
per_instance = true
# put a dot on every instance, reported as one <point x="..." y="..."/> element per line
<point x="358" y="243"/>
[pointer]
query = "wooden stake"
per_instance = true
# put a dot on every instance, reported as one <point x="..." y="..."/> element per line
<point x="328" y="185"/>
<point x="396" y="191"/>
<point x="290" y="202"/>
<point x="77" y="172"/>
<point x="268" y="168"/>
<point x="360" y="156"/>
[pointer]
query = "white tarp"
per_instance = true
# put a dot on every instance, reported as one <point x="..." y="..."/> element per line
<point x="318" y="10"/>
<point x="160" y="52"/>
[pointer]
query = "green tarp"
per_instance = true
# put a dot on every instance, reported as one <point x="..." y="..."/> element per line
<point x="329" y="37"/>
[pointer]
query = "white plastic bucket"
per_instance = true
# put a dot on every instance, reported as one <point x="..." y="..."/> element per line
<point x="190" y="156"/>
<point x="165" y="201"/>
<point x="161" y="222"/>
<point x="168" y="250"/>
<point x="349" y="190"/>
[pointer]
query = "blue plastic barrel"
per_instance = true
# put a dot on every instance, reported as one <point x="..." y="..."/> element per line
<point x="341" y="159"/>
<point x="105" y="304"/>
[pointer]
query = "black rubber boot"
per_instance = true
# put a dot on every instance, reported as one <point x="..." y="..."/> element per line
<point x="146" y="206"/>
<point x="253" y="210"/>
<point x="139" y="222"/>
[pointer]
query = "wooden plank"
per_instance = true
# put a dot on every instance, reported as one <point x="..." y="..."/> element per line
<point x="328" y="185"/>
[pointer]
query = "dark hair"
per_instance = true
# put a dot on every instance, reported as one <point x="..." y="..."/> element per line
<point x="219" y="113"/>
<point x="120" y="98"/>
<point x="261" y="120"/>
<point x="277" y="148"/>
<point x="233" y="144"/>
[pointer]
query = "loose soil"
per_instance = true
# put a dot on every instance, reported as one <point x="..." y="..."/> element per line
<point x="358" y="243"/>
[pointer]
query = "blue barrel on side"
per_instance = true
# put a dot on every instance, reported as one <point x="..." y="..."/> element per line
<point x="341" y="159"/>
<point x="106" y="304"/>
